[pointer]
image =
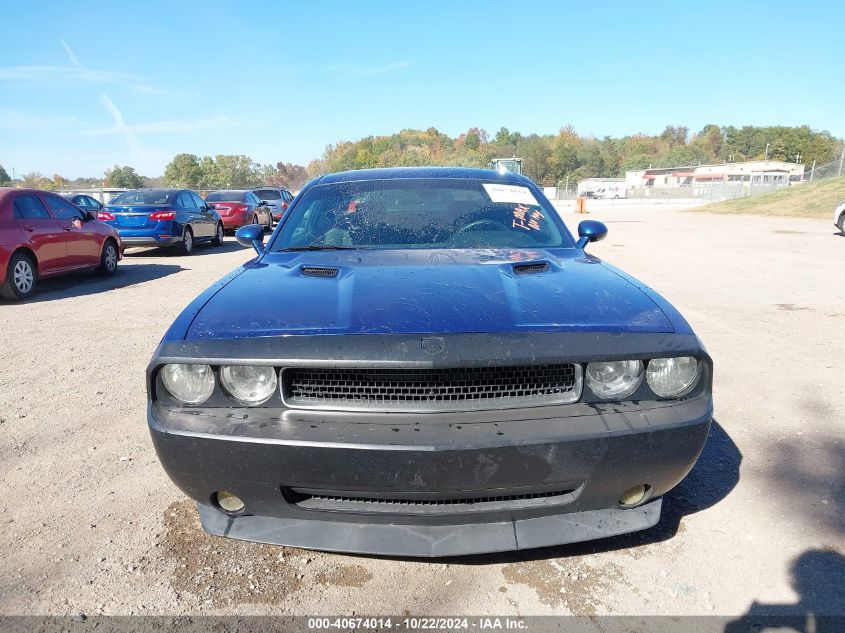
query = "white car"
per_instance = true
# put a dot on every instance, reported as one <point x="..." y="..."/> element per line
<point x="839" y="217"/>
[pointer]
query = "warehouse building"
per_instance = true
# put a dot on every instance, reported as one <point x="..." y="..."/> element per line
<point x="772" y="172"/>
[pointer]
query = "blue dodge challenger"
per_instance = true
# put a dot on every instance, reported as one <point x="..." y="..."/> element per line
<point x="425" y="362"/>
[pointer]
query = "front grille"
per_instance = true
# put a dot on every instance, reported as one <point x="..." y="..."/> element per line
<point x="421" y="390"/>
<point x="409" y="505"/>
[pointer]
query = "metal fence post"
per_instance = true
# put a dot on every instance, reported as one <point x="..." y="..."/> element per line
<point x="841" y="158"/>
<point x="812" y="171"/>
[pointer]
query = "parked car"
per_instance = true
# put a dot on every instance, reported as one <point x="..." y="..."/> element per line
<point x="425" y="362"/>
<point x="163" y="217"/>
<point x="83" y="201"/>
<point x="839" y="217"/>
<point x="42" y="235"/>
<point x="279" y="199"/>
<point x="239" y="208"/>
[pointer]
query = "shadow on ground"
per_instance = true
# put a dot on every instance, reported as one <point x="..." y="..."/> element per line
<point x="818" y="577"/>
<point x="83" y="283"/>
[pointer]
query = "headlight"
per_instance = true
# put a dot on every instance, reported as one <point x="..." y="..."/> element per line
<point x="614" y="379"/>
<point x="248" y="384"/>
<point x="672" y="377"/>
<point x="191" y="384"/>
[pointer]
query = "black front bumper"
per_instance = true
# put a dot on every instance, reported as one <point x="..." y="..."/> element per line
<point x="560" y="475"/>
<point x="430" y="484"/>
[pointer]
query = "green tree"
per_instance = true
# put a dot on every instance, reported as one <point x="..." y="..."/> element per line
<point x="183" y="171"/>
<point x="4" y="176"/>
<point x="472" y="141"/>
<point x="124" y="177"/>
<point x="209" y="174"/>
<point x="238" y="172"/>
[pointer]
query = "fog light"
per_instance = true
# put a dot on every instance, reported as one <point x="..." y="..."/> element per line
<point x="633" y="496"/>
<point x="229" y="502"/>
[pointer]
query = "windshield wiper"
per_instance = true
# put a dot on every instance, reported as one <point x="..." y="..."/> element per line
<point x="320" y="247"/>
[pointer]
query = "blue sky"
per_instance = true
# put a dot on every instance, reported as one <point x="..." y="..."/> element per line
<point x="86" y="85"/>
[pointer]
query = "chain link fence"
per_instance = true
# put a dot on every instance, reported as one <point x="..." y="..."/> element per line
<point x="833" y="169"/>
<point x="713" y="191"/>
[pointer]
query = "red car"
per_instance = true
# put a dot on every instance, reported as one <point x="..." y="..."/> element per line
<point x="42" y="235"/>
<point x="239" y="208"/>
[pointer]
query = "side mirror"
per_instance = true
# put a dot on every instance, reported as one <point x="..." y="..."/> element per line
<point x="251" y="235"/>
<point x="590" y="231"/>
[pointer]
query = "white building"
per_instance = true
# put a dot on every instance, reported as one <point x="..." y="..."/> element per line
<point x="756" y="171"/>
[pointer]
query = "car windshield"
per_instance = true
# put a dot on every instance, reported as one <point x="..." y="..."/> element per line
<point x="227" y="196"/>
<point x="268" y="194"/>
<point x="421" y="213"/>
<point x="142" y="198"/>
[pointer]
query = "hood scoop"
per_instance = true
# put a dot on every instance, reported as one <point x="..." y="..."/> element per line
<point x="318" y="271"/>
<point x="530" y="268"/>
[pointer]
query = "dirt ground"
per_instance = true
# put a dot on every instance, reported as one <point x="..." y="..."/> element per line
<point x="89" y="522"/>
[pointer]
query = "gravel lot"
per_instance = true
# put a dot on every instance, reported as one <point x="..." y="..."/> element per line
<point x="89" y="522"/>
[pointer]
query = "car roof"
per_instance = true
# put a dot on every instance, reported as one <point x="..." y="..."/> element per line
<point x="397" y="173"/>
<point x="170" y="189"/>
<point x="5" y="191"/>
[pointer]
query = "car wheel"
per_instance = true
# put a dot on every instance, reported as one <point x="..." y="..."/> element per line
<point x="255" y="219"/>
<point x="20" y="278"/>
<point x="842" y="223"/>
<point x="218" y="237"/>
<point x="269" y="222"/>
<point x="108" y="259"/>
<point x="188" y="241"/>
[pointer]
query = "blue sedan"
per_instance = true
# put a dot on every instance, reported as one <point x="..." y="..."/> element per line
<point x="425" y="362"/>
<point x="163" y="217"/>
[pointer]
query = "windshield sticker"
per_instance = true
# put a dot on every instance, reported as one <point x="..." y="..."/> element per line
<point x="524" y="218"/>
<point x="510" y="193"/>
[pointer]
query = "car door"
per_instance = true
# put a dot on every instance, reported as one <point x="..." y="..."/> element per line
<point x="261" y="210"/>
<point x="41" y="232"/>
<point x="189" y="214"/>
<point x="82" y="242"/>
<point x="206" y="214"/>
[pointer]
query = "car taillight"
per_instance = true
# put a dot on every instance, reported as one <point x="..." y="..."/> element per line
<point x="104" y="215"/>
<point x="163" y="215"/>
<point x="284" y="205"/>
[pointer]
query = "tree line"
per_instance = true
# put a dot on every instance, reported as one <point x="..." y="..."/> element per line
<point x="549" y="159"/>
<point x="555" y="158"/>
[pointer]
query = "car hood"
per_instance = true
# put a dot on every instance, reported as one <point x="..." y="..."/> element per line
<point x="423" y="291"/>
